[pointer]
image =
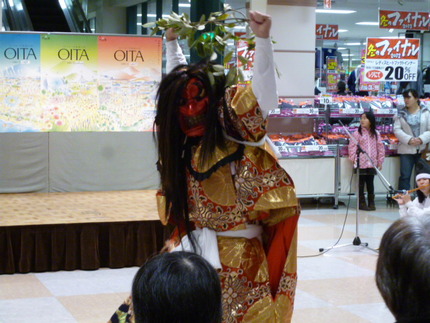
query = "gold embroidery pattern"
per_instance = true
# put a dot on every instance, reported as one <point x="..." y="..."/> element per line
<point x="288" y="285"/>
<point x="239" y="294"/>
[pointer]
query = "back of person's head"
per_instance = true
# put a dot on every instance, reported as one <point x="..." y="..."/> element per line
<point x="403" y="269"/>
<point x="177" y="287"/>
<point x="341" y="86"/>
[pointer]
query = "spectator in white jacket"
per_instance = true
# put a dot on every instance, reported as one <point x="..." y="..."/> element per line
<point x="421" y="204"/>
<point x="412" y="128"/>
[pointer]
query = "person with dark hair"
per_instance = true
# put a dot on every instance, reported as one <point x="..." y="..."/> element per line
<point x="403" y="269"/>
<point x="341" y="88"/>
<point x="421" y="204"/>
<point x="222" y="189"/>
<point x="369" y="140"/>
<point x="412" y="128"/>
<point x="177" y="287"/>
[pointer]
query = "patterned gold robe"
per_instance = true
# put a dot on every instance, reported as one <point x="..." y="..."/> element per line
<point x="245" y="184"/>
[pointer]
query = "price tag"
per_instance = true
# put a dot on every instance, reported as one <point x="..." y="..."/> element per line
<point x="275" y="111"/>
<point x="306" y="111"/>
<point x="309" y="148"/>
<point x="326" y="99"/>
<point x="351" y="111"/>
<point x="385" y="111"/>
<point x="393" y="146"/>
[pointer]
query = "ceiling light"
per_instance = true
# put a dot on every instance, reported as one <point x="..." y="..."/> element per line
<point x="367" y="23"/>
<point x="341" y="48"/>
<point x="151" y="15"/>
<point x="184" y="5"/>
<point x="342" y="30"/>
<point x="353" y="44"/>
<point x="391" y="30"/>
<point x="347" y="54"/>
<point x="340" y="12"/>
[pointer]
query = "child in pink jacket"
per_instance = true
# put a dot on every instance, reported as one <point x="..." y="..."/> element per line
<point x="370" y="142"/>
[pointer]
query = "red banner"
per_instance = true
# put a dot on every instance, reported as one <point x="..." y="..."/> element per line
<point x="407" y="48"/>
<point x="410" y="20"/>
<point x="324" y="31"/>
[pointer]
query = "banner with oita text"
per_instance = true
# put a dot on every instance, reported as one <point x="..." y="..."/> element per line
<point x="58" y="82"/>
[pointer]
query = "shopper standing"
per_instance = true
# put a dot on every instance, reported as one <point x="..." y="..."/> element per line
<point x="367" y="141"/>
<point x="412" y="128"/>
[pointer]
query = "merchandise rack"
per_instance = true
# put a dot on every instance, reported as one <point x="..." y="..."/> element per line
<point x="312" y="164"/>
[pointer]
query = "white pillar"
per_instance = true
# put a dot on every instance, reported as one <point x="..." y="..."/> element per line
<point x="110" y="19"/>
<point x="293" y="30"/>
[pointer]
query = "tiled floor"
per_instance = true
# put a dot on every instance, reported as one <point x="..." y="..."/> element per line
<point x="337" y="286"/>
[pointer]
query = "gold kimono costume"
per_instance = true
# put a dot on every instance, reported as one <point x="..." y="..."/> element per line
<point x="258" y="277"/>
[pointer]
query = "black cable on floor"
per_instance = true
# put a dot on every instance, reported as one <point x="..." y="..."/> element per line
<point x="343" y="226"/>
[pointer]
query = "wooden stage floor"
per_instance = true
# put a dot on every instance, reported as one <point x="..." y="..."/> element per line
<point x="77" y="207"/>
<point x="78" y="230"/>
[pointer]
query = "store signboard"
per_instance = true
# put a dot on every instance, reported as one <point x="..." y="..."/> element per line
<point x="327" y="32"/>
<point x="410" y="20"/>
<point x="391" y="59"/>
<point x="363" y="85"/>
<point x="332" y="79"/>
<point x="331" y="63"/>
<point x="58" y="82"/>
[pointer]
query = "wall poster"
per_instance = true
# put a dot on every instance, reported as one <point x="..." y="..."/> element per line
<point x="59" y="82"/>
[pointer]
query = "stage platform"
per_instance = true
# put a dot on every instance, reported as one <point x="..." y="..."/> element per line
<point x="78" y="230"/>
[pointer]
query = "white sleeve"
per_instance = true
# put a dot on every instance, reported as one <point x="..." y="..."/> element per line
<point x="264" y="81"/>
<point x="414" y="208"/>
<point x="403" y="210"/>
<point x="174" y="55"/>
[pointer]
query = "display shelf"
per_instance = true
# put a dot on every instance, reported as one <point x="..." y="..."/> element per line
<point x="311" y="144"/>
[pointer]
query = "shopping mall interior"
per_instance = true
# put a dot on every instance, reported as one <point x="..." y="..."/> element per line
<point x="78" y="173"/>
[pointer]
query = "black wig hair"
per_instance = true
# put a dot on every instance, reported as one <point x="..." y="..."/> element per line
<point x="174" y="147"/>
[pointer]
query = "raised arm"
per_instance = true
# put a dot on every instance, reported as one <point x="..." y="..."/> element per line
<point x="264" y="81"/>
<point x="174" y="53"/>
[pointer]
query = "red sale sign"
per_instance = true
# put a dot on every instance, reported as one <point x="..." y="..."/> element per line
<point x="410" y="20"/>
<point x="391" y="59"/>
<point x="324" y="31"/>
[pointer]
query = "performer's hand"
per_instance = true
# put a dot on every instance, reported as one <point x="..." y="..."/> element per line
<point x="171" y="34"/>
<point x="260" y="24"/>
<point x="400" y="200"/>
<point x="169" y="245"/>
<point x="406" y="198"/>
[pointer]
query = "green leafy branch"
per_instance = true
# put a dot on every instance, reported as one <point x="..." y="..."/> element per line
<point x="209" y="37"/>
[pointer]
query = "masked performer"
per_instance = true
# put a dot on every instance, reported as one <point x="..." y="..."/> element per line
<point x="221" y="187"/>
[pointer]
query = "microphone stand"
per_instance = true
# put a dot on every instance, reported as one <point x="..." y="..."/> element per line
<point x="357" y="241"/>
